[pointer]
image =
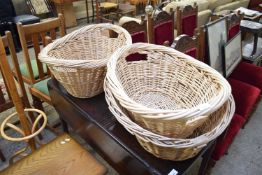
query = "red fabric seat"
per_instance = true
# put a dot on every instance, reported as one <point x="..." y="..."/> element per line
<point x="192" y="52"/>
<point x="248" y="73"/>
<point x="245" y="96"/>
<point x="189" y="24"/>
<point x="164" y="32"/>
<point x="136" y="38"/>
<point x="233" y="31"/>
<point x="223" y="144"/>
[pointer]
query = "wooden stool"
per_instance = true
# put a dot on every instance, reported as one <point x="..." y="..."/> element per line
<point x="61" y="156"/>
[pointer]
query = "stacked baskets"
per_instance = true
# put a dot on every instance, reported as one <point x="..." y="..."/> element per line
<point x="172" y="103"/>
<point x="78" y="60"/>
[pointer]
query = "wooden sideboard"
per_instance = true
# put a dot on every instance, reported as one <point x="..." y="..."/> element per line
<point x="92" y="120"/>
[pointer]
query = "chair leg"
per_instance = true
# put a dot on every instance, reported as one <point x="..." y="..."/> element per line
<point x="37" y="103"/>
<point x="2" y="157"/>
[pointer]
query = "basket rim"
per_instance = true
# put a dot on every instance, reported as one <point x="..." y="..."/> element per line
<point x="116" y="86"/>
<point x="201" y="140"/>
<point x="44" y="57"/>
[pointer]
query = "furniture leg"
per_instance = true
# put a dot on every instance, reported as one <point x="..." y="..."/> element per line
<point x="255" y="44"/>
<point x="2" y="157"/>
<point x="64" y="125"/>
<point x="93" y="11"/>
<point x="37" y="103"/>
<point x="206" y="159"/>
<point x="87" y="14"/>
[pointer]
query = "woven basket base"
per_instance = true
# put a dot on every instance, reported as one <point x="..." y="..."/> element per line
<point x="169" y="153"/>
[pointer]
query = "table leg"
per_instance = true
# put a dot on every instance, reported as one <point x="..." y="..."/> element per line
<point x="255" y="44"/>
<point x="93" y="11"/>
<point x="87" y="14"/>
<point x="2" y="157"/>
<point x="206" y="159"/>
<point x="64" y="125"/>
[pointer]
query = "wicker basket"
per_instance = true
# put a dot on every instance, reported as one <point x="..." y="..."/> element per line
<point x="78" y="60"/>
<point x="168" y="93"/>
<point x="173" y="148"/>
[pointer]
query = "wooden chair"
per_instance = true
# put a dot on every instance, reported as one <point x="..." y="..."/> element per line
<point x="193" y="46"/>
<point x="33" y="71"/>
<point x="137" y="29"/>
<point x="111" y="8"/>
<point x="187" y="45"/>
<point x="63" y="155"/>
<point x="233" y="24"/>
<point x="41" y="8"/>
<point x="186" y="20"/>
<point x="161" y="28"/>
<point x="6" y="103"/>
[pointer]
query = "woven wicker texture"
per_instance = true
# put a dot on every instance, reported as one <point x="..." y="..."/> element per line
<point x="174" y="148"/>
<point x="78" y="60"/>
<point x="170" y="93"/>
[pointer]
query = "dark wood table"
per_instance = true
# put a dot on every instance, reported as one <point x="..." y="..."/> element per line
<point x="92" y="120"/>
<point x="255" y="29"/>
<point x="223" y="13"/>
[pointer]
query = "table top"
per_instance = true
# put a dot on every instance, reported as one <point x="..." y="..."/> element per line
<point x="63" y="1"/>
<point x="254" y="17"/>
<point x="251" y="26"/>
<point x="96" y="110"/>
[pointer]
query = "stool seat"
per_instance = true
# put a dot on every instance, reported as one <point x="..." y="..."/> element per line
<point x="62" y="156"/>
<point x="26" y="19"/>
<point x="108" y="5"/>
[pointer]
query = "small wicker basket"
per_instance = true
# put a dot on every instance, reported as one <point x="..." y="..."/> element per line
<point x="174" y="148"/>
<point x="78" y="60"/>
<point x="168" y="92"/>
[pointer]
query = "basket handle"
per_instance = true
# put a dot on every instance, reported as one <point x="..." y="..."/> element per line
<point x="136" y="57"/>
<point x="189" y="122"/>
<point x="41" y="115"/>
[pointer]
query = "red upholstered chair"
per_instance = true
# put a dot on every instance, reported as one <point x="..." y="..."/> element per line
<point x="161" y="28"/>
<point x="245" y="96"/>
<point x="138" y="32"/>
<point x="254" y="5"/>
<point x="233" y="25"/>
<point x="137" y="29"/>
<point x="186" y="20"/>
<point x="244" y="106"/>
<point x="248" y="73"/>
<point x="187" y="45"/>
<point x="223" y="144"/>
<point x="245" y="72"/>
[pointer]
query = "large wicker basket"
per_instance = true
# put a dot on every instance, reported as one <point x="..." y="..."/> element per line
<point x="168" y="93"/>
<point x="174" y="148"/>
<point x="78" y="60"/>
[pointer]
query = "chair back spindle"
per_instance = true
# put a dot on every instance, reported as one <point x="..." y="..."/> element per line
<point x="17" y="101"/>
<point x="35" y="34"/>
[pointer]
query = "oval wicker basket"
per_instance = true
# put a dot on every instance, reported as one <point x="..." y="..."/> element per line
<point x="174" y="148"/>
<point x="168" y="93"/>
<point x="78" y="60"/>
